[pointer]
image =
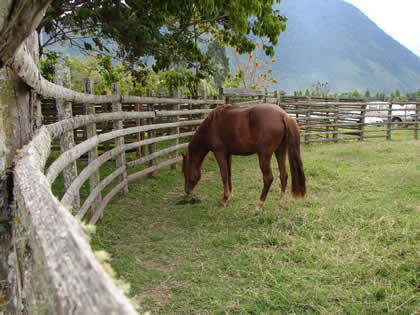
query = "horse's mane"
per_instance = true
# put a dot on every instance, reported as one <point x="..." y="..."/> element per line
<point x="202" y="130"/>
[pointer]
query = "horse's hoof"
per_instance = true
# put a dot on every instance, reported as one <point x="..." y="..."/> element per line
<point x="280" y="206"/>
<point x="223" y="203"/>
<point x="259" y="206"/>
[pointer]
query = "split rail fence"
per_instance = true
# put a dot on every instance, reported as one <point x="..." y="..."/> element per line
<point x="141" y="135"/>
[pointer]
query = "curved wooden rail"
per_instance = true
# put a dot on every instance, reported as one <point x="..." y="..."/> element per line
<point x="67" y="276"/>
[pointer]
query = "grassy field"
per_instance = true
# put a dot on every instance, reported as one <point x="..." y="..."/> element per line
<point x="351" y="246"/>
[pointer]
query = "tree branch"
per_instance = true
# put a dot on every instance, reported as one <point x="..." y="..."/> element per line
<point x="22" y="19"/>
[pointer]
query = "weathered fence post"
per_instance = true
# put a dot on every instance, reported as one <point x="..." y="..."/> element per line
<point x="308" y="128"/>
<point x="362" y="122"/>
<point x="106" y="126"/>
<point x="91" y="132"/>
<point x="389" y="122"/>
<point x="228" y="100"/>
<point x="417" y="119"/>
<point x="137" y="108"/>
<point x="335" y="127"/>
<point x="205" y="96"/>
<point x="64" y="111"/>
<point x="118" y="124"/>
<point x="141" y="151"/>
<point x="175" y="130"/>
<point x="151" y="133"/>
<point x="262" y="98"/>
<point x="276" y="96"/>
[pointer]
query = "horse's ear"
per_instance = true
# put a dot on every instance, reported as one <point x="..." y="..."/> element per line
<point x="183" y="155"/>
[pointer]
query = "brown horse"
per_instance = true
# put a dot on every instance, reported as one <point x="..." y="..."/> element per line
<point x="263" y="129"/>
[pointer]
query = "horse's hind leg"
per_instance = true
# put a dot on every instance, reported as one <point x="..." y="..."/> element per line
<point x="265" y="161"/>
<point x="281" y="161"/>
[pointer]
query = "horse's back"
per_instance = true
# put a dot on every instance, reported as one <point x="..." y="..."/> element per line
<point x="247" y="130"/>
<point x="267" y="126"/>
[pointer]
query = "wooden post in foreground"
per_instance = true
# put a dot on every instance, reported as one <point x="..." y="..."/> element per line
<point x="64" y="111"/>
<point x="118" y="124"/>
<point x="91" y="132"/>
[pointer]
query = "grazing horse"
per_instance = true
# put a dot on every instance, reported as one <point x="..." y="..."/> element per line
<point x="230" y="130"/>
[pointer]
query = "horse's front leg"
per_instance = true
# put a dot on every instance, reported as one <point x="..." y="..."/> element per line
<point x="229" y="161"/>
<point x="222" y="160"/>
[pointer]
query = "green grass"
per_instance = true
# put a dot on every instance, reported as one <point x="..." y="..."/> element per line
<point x="351" y="246"/>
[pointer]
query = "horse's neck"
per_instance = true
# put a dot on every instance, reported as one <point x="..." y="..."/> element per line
<point x="198" y="150"/>
<point x="198" y="147"/>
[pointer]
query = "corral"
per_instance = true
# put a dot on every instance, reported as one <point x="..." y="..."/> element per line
<point x="333" y="118"/>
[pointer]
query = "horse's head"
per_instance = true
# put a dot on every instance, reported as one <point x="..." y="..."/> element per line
<point x="192" y="173"/>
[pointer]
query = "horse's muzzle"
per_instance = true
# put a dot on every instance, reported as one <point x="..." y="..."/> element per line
<point x="188" y="191"/>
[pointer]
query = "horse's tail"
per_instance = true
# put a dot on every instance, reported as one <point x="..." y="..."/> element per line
<point x="295" y="162"/>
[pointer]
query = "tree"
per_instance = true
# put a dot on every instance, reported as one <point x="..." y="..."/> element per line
<point x="367" y="93"/>
<point x="47" y="65"/>
<point x="255" y="71"/>
<point x="18" y="110"/>
<point x="320" y="89"/>
<point x="298" y="92"/>
<point x="355" y="93"/>
<point x="219" y="62"/>
<point x="163" y="29"/>
<point x="18" y="19"/>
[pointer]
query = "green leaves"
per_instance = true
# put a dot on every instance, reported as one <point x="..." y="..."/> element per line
<point x="164" y="29"/>
<point x="47" y="65"/>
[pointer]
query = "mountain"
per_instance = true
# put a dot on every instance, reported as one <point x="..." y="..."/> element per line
<point x="333" y="41"/>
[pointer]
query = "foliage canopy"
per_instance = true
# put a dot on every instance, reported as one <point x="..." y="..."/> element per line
<point x="163" y="29"/>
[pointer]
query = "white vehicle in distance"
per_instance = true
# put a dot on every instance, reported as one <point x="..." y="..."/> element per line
<point x="399" y="113"/>
<point x="374" y="121"/>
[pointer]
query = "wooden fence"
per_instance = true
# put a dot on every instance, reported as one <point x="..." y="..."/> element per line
<point x="141" y="135"/>
<point x="61" y="274"/>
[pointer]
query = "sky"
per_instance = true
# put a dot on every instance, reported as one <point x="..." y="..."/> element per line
<point x="399" y="19"/>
